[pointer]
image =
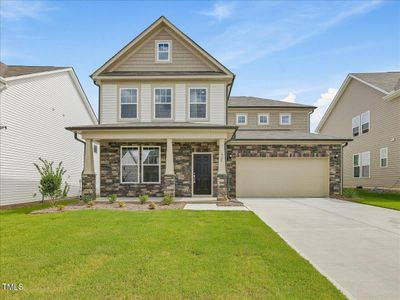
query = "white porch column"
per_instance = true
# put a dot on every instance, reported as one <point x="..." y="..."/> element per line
<point x="89" y="161"/>
<point x="169" y="163"/>
<point x="221" y="160"/>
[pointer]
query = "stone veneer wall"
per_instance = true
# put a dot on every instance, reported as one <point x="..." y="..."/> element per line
<point x="110" y="170"/>
<point x="331" y="151"/>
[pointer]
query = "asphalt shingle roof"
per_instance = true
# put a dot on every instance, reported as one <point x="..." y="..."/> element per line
<point x="243" y="101"/>
<point x="387" y="81"/>
<point x="13" y="70"/>
<point x="284" y="135"/>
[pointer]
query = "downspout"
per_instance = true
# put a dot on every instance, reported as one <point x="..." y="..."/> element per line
<point x="228" y="94"/>
<point x="84" y="151"/>
<point x="341" y="169"/>
<point x="99" y="106"/>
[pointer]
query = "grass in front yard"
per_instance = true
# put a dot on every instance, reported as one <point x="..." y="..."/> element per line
<point x="381" y="199"/>
<point x="152" y="255"/>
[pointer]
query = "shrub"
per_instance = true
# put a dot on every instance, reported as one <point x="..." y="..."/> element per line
<point x="51" y="181"/>
<point x="90" y="203"/>
<point x="60" y="207"/>
<point x="152" y="205"/>
<point x="167" y="200"/>
<point x="86" y="198"/>
<point x="143" y="198"/>
<point x="350" y="193"/>
<point x="112" y="198"/>
<point x="121" y="203"/>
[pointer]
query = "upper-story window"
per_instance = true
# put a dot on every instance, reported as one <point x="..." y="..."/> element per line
<point x="355" y="124"/>
<point x="163" y="51"/>
<point x="383" y="157"/>
<point x="263" y="119"/>
<point x="163" y="103"/>
<point x="198" y="103"/>
<point x="241" y="119"/>
<point x="285" y="118"/>
<point x="128" y="101"/>
<point x="365" y="122"/>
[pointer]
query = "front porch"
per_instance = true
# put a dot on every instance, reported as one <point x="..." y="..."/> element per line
<point x="189" y="165"/>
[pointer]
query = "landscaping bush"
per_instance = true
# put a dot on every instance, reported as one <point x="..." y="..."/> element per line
<point x="112" y="198"/>
<point x="121" y="203"/>
<point x="167" y="200"/>
<point x="51" y="181"/>
<point x="90" y="203"/>
<point x="86" y="198"/>
<point x="143" y="198"/>
<point x="152" y="205"/>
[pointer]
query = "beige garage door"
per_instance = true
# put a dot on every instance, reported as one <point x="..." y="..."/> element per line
<point x="282" y="177"/>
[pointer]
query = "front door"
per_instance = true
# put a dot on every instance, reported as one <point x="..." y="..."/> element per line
<point x="202" y="174"/>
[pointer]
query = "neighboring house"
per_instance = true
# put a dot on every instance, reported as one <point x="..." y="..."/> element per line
<point x="36" y="103"/>
<point x="167" y="127"/>
<point x="367" y="109"/>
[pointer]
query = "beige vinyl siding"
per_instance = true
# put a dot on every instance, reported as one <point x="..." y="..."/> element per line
<point x="384" y="132"/>
<point x="143" y="57"/>
<point x="36" y="111"/>
<point x="216" y="101"/>
<point x="300" y="119"/>
<point x="109" y="104"/>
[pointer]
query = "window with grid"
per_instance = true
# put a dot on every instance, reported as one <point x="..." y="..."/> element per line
<point x="383" y="157"/>
<point x="163" y="51"/>
<point x="263" y="119"/>
<point x="241" y="119"/>
<point x="151" y="164"/>
<point x="129" y="164"/>
<point x="163" y="103"/>
<point x="355" y="124"/>
<point x="365" y="122"/>
<point x="128" y="100"/>
<point x="198" y="103"/>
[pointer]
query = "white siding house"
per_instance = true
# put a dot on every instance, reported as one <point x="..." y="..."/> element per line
<point x="36" y="104"/>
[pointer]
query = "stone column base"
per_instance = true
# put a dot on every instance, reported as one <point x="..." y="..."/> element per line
<point x="222" y="187"/>
<point x="169" y="185"/>
<point x="89" y="185"/>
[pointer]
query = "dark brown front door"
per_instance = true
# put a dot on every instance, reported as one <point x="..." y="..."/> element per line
<point x="202" y="174"/>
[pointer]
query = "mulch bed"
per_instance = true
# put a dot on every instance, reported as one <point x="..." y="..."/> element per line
<point x="114" y="206"/>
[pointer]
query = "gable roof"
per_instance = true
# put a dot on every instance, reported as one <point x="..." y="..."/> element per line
<point x="248" y="102"/>
<point x="162" y="21"/>
<point x="388" y="83"/>
<point x="11" y="73"/>
<point x="14" y="70"/>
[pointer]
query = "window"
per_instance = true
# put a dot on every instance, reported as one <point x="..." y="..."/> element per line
<point x="163" y="51"/>
<point x="241" y="119"/>
<point x="365" y="162"/>
<point x="151" y="164"/>
<point x="263" y="119"/>
<point x="163" y="103"/>
<point x="356" y="165"/>
<point x="355" y="125"/>
<point x="365" y="122"/>
<point x="198" y="103"/>
<point x="128" y="100"/>
<point x="285" y="119"/>
<point x="383" y="157"/>
<point x="129" y="164"/>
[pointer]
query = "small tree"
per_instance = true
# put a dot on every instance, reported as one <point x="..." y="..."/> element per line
<point x="51" y="180"/>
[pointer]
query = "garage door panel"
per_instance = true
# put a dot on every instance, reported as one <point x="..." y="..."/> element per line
<point x="282" y="177"/>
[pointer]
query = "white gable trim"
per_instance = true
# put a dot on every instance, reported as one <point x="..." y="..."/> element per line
<point x="392" y="95"/>
<point x="339" y="95"/>
<point x="75" y="80"/>
<point x="167" y="23"/>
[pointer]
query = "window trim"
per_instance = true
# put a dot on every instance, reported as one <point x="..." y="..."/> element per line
<point x="387" y="157"/>
<point x="241" y="115"/>
<point x="369" y="122"/>
<point x="158" y="42"/>
<point x="142" y="164"/>
<point x="260" y="115"/>
<point x="188" y="109"/>
<point x="285" y="114"/>
<point x="120" y="165"/>
<point x="362" y="165"/>
<point x="358" y="165"/>
<point x="154" y="103"/>
<point x="120" y="103"/>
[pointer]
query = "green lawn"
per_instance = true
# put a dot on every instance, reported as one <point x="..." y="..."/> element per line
<point x="178" y="254"/>
<point x="386" y="200"/>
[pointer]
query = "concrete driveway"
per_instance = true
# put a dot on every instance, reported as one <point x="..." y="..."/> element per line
<point x="356" y="246"/>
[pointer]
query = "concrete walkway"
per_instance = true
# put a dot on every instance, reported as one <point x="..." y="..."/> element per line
<point x="356" y="246"/>
<point x="213" y="207"/>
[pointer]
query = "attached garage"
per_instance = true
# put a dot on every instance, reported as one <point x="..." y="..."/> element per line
<point x="282" y="177"/>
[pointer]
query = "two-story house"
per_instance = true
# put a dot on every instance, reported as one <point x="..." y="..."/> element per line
<point x="367" y="108"/>
<point x="166" y="127"/>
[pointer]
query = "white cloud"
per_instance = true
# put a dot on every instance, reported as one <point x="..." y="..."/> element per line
<point x="291" y="97"/>
<point x="17" y="10"/>
<point x="322" y="105"/>
<point x="252" y="36"/>
<point x="220" y="11"/>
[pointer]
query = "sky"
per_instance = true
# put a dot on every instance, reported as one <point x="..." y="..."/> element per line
<point x="297" y="51"/>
